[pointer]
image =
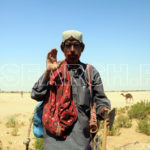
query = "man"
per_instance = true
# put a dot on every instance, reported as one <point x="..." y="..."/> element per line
<point x="65" y="91"/>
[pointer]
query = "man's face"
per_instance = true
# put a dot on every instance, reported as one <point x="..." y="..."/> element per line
<point x="72" y="50"/>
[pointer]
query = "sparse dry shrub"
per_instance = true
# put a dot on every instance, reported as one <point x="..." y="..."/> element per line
<point x="118" y="148"/>
<point x="115" y="131"/>
<point x="144" y="126"/>
<point x="123" y="122"/>
<point x="30" y="119"/>
<point x="22" y="123"/>
<point x="9" y="142"/>
<point x="39" y="144"/>
<point x="127" y="108"/>
<point x="121" y="110"/>
<point x="140" y="110"/>
<point x="11" y="122"/>
<point x="101" y="125"/>
<point x="14" y="132"/>
<point x="99" y="142"/>
<point x="8" y="148"/>
<point x="17" y="115"/>
<point x="1" y="145"/>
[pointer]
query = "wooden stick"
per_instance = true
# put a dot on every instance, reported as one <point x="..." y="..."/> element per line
<point x="104" y="136"/>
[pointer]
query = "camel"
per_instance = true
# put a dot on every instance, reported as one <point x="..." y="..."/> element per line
<point x="21" y="94"/>
<point x="127" y="96"/>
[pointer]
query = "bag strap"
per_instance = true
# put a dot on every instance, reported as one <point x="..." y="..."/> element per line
<point x="93" y="117"/>
<point x="89" y="82"/>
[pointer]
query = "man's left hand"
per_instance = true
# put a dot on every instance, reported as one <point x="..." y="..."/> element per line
<point x="104" y="109"/>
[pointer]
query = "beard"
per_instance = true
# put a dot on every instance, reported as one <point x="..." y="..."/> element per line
<point x="72" y="58"/>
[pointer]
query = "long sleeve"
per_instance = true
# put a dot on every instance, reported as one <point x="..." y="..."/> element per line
<point x="40" y="89"/>
<point x="98" y="93"/>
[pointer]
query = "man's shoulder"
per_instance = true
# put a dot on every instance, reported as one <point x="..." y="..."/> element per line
<point x="93" y="70"/>
<point x="84" y="65"/>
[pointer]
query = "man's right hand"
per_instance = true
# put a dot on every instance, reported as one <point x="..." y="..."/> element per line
<point x="51" y="62"/>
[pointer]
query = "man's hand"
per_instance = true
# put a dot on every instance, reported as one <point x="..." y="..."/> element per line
<point x="51" y="62"/>
<point x="103" y="111"/>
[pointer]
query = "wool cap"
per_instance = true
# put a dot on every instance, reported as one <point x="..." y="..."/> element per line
<point x="75" y="34"/>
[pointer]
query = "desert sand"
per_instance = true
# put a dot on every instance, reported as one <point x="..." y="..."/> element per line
<point x="12" y="104"/>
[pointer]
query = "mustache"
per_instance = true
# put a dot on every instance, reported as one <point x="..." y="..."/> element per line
<point x="73" y="54"/>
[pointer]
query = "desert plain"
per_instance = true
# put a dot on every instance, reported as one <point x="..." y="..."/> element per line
<point x="21" y="108"/>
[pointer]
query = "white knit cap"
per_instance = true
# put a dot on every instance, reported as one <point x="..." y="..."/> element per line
<point x="75" y="34"/>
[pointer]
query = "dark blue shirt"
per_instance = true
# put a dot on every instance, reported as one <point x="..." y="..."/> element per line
<point x="78" y="135"/>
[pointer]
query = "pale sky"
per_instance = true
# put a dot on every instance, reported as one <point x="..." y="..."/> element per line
<point x="116" y="34"/>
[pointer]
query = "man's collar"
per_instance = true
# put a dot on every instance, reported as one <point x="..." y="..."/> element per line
<point x="74" y="66"/>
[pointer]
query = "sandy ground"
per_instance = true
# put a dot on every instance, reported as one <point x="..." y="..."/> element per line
<point x="11" y="104"/>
